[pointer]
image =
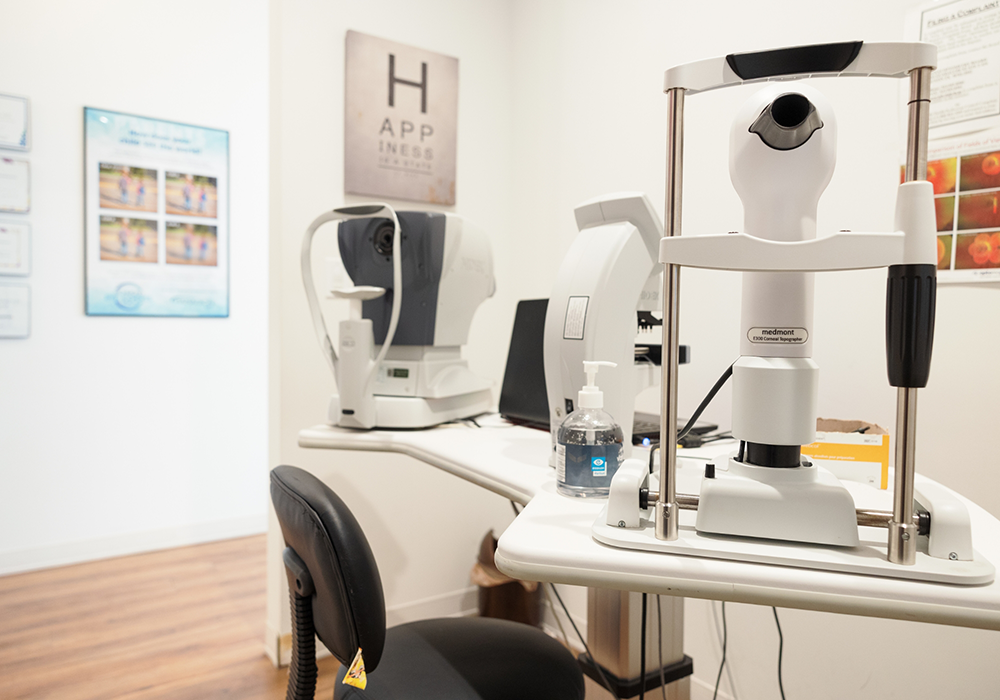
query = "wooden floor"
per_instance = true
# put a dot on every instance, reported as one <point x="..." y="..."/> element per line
<point x="182" y="623"/>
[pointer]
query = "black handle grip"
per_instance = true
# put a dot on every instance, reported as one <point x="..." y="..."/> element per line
<point x="910" y="298"/>
<point x="795" y="60"/>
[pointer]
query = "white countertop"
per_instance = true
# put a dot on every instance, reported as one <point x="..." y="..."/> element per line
<point x="551" y="540"/>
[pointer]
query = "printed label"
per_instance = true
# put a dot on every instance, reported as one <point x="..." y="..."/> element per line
<point x="772" y="335"/>
<point x="576" y="318"/>
<point x="598" y="466"/>
<point x="588" y="465"/>
<point x="356" y="673"/>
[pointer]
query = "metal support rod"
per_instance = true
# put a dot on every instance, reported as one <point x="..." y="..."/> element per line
<point x="902" y="532"/>
<point x="867" y="517"/>
<point x="919" y="107"/>
<point x="666" y="518"/>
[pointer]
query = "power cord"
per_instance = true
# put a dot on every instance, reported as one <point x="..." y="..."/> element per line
<point x="597" y="666"/>
<point x="705" y="401"/>
<point x="781" y="647"/>
<point x="642" y="651"/>
<point x="586" y="648"/>
<point x="725" y="638"/>
<point x="659" y="646"/>
<point x="720" y="382"/>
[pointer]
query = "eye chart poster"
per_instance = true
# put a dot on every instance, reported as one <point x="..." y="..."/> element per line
<point x="157" y="217"/>
<point x="401" y="121"/>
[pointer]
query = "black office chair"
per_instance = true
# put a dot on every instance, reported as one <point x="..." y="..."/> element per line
<point x="337" y="595"/>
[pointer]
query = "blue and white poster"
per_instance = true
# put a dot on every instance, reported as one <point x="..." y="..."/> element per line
<point x="157" y="217"/>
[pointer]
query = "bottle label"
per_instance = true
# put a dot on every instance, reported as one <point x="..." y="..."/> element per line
<point x="587" y="465"/>
<point x="598" y="466"/>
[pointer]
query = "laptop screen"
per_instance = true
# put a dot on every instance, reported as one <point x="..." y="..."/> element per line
<point x="523" y="396"/>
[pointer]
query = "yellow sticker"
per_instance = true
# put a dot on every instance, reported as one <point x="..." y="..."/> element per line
<point x="356" y="673"/>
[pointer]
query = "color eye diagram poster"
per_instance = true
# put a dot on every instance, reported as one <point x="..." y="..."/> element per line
<point x="963" y="147"/>
<point x="157" y="217"/>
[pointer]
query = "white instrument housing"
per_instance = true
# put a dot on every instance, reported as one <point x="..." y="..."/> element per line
<point x="609" y="273"/>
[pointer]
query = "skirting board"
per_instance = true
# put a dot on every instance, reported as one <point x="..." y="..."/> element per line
<point x="461" y="603"/>
<point x="131" y="543"/>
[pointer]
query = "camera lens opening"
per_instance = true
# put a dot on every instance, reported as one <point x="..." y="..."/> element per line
<point x="789" y="111"/>
<point x="383" y="239"/>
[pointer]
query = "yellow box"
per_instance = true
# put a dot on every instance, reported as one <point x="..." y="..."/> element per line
<point x="849" y="454"/>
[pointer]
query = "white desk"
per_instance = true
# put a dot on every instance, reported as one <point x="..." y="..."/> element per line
<point x="551" y="539"/>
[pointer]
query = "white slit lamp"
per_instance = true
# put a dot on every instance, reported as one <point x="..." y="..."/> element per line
<point x="418" y="279"/>
<point x="766" y="496"/>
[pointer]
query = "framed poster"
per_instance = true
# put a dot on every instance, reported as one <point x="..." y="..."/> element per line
<point x="15" y="248"/>
<point x="15" y="123"/>
<point x="157" y="217"/>
<point x="963" y="143"/>
<point x="401" y="121"/>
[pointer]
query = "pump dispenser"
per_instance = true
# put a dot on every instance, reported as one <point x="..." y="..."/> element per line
<point x="589" y="442"/>
<point x="590" y="396"/>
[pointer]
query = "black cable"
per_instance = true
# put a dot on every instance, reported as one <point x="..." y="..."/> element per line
<point x="659" y="646"/>
<point x="781" y="647"/>
<point x="586" y="648"/>
<point x="642" y="651"/>
<point x="705" y="401"/>
<point x="698" y="411"/>
<point x="597" y="666"/>
<point x="725" y="636"/>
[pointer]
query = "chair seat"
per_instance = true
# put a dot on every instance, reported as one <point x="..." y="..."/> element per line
<point x="469" y="658"/>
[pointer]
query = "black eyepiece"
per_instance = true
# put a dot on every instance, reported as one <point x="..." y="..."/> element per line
<point x="790" y="110"/>
<point x="383" y="239"/>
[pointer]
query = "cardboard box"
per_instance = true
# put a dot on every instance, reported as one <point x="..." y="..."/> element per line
<point x="852" y="450"/>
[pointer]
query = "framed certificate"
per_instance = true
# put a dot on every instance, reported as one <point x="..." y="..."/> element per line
<point x="15" y="248"/>
<point x="15" y="123"/>
<point x="15" y="311"/>
<point x="15" y="185"/>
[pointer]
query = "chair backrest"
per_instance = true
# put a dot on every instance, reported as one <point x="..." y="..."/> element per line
<point x="348" y="604"/>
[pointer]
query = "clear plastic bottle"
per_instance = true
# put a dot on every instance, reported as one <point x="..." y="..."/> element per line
<point x="588" y="444"/>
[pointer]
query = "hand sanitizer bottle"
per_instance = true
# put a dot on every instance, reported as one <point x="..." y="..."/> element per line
<point x="589" y="443"/>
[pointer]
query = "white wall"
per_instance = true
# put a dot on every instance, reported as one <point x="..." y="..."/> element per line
<point x="424" y="526"/>
<point x="125" y="434"/>
<point x="590" y="118"/>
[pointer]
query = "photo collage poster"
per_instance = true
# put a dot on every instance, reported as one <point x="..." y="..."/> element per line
<point x="157" y="217"/>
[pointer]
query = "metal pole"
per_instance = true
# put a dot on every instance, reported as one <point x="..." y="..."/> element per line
<point x="867" y="517"/>
<point x="667" y="513"/>
<point x="902" y="532"/>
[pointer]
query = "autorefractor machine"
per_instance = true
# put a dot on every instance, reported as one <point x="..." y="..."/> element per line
<point x="418" y="278"/>
<point x="765" y="502"/>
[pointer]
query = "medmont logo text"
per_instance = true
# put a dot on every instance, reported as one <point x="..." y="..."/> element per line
<point x="777" y="336"/>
